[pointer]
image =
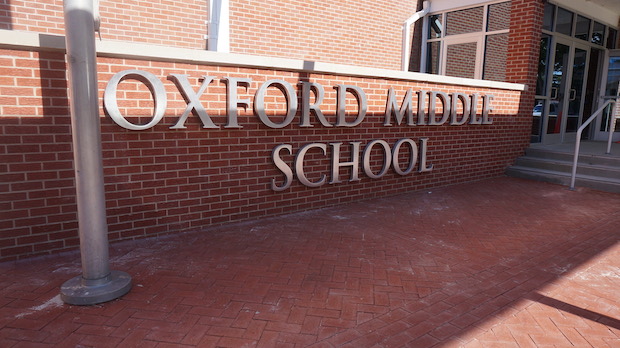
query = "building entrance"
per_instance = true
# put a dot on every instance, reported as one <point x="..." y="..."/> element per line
<point x="574" y="52"/>
<point x="566" y="91"/>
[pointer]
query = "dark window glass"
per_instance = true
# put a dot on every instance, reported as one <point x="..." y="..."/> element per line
<point x="598" y="33"/>
<point x="582" y="28"/>
<point x="539" y="109"/>
<point x="548" y="17"/>
<point x="432" y="57"/>
<point x="564" y="22"/>
<point x="464" y="21"/>
<point x="543" y="65"/>
<point x="576" y="91"/>
<point x="434" y="27"/>
<point x="611" y="89"/>
<point x="612" y="38"/>
<point x="499" y="16"/>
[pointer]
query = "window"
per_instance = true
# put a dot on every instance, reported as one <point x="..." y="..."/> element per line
<point x="464" y="21"/>
<point x="543" y="65"/>
<point x="612" y="38"/>
<point x="498" y="17"/>
<point x="495" y="53"/>
<point x="598" y="33"/>
<point x="435" y="28"/>
<point x="548" y="17"/>
<point x="582" y="28"/>
<point x="469" y="43"/>
<point x="564" y="22"/>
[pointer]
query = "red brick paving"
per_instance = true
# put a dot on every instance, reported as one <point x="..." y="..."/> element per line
<point x="497" y="263"/>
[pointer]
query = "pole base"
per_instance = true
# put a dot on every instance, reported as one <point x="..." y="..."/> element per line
<point x="84" y="292"/>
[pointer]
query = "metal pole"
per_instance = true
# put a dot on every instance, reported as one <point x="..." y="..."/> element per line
<point x="97" y="283"/>
<point x="612" y="126"/>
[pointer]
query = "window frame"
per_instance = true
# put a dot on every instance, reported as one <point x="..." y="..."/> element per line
<point x="480" y="37"/>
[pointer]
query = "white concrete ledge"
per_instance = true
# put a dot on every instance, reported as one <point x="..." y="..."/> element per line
<point x="129" y="50"/>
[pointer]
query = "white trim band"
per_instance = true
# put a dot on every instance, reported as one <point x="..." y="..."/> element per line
<point x="10" y="39"/>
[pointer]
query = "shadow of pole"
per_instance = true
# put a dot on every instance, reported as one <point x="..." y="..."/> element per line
<point x="569" y="308"/>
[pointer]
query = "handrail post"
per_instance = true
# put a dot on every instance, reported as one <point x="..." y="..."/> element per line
<point x="575" y="159"/>
<point x="578" y="140"/>
<point x="612" y="127"/>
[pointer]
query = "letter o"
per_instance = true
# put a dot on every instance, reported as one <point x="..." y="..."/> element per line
<point x="291" y="102"/>
<point x="387" y="159"/>
<point x="151" y="81"/>
<point x="412" y="160"/>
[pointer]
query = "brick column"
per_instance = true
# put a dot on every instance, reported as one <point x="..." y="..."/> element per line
<point x="526" y="18"/>
<point x="524" y="40"/>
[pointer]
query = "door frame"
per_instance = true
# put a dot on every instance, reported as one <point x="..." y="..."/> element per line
<point x="599" y="135"/>
<point x="563" y="136"/>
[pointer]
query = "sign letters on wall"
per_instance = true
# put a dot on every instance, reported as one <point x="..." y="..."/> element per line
<point x="426" y="113"/>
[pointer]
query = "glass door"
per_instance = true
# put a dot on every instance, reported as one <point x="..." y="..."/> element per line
<point x="566" y="91"/>
<point x="609" y="90"/>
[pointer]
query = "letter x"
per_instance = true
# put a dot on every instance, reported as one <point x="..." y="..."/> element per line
<point x="193" y="100"/>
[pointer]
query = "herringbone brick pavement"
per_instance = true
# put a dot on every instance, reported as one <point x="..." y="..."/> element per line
<point x="496" y="263"/>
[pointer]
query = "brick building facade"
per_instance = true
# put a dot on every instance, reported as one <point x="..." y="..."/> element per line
<point x="168" y="178"/>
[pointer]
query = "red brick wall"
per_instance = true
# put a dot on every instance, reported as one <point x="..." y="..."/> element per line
<point x="361" y="32"/>
<point x="523" y="49"/>
<point x="364" y="33"/>
<point x="524" y="42"/>
<point x="163" y="180"/>
<point x="159" y="22"/>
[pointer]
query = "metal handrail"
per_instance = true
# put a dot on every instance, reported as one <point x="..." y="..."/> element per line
<point x="612" y="124"/>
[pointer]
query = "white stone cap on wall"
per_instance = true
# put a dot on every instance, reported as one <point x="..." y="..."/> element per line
<point x="10" y="39"/>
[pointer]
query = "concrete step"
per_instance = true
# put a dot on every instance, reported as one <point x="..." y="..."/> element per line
<point x="598" y="171"/>
<point x="563" y="178"/>
<point x="599" y="159"/>
<point x="603" y="171"/>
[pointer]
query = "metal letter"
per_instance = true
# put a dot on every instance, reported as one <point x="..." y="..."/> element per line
<point x="432" y="106"/>
<point x="421" y="106"/>
<point x="387" y="159"/>
<point x="456" y="97"/>
<point x="342" y="105"/>
<point x="291" y="102"/>
<point x="193" y="100"/>
<point x="232" y="101"/>
<point x="306" y="107"/>
<point x="486" y="108"/>
<point x="157" y="91"/>
<point x="392" y="109"/>
<point x="284" y="168"/>
<point x="299" y="165"/>
<point x="423" y="148"/>
<point x="412" y="160"/>
<point x="474" y="106"/>
<point x="336" y="164"/>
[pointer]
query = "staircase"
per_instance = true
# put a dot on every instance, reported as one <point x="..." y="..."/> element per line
<point x="554" y="164"/>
